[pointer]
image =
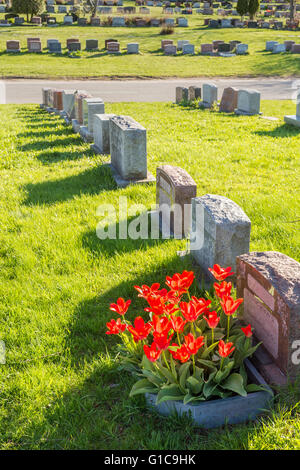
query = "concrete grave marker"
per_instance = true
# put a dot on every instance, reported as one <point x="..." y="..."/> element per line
<point x="209" y="95"/>
<point x="248" y="103"/>
<point x="101" y="133"/>
<point x="220" y="232"/>
<point x="194" y="93"/>
<point x="269" y="282"/>
<point x="182" y="94"/>
<point x="128" y="150"/>
<point x="294" y="120"/>
<point x="229" y="100"/>
<point x="90" y="107"/>
<point x="175" y="189"/>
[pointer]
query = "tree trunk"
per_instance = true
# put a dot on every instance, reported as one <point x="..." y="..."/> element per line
<point x="292" y="9"/>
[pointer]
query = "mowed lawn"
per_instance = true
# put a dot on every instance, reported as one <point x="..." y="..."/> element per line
<point x="150" y="62"/>
<point x="61" y="387"/>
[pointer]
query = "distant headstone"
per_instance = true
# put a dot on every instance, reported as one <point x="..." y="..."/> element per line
<point x="182" y="94"/>
<point x="270" y="45"/>
<point x="295" y="49"/>
<point x="229" y="100"/>
<point x="35" y="46"/>
<point x="13" y="46"/>
<point x="269" y="282"/>
<point x="241" y="49"/>
<point x="175" y="189"/>
<point x="133" y="48"/>
<point x="170" y="49"/>
<point x="118" y="21"/>
<point x="220" y="232"/>
<point x="248" y="102"/>
<point x="82" y="21"/>
<point x="206" y="49"/>
<point x="194" y="93"/>
<point x="74" y="46"/>
<point x="68" y="20"/>
<point x="113" y="47"/>
<point x="54" y="46"/>
<point x="180" y="43"/>
<point x="288" y="45"/>
<point x="182" y="22"/>
<point x="209" y="95"/>
<point x="95" y="21"/>
<point x="166" y="42"/>
<point x="278" y="48"/>
<point x="188" y="49"/>
<point x="91" y="45"/>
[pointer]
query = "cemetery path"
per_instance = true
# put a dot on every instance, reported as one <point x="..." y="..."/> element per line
<point x="29" y="91"/>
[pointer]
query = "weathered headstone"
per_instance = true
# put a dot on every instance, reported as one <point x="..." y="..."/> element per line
<point x="118" y="21"/>
<point x="170" y="49"/>
<point x="220" y="232"/>
<point x="132" y="48"/>
<point x="180" y="43"/>
<point x="229" y="100"/>
<point x="188" y="49"/>
<point x="182" y="94"/>
<point x="34" y="46"/>
<point x="91" y="45"/>
<point x="248" y="103"/>
<point x="288" y="45"/>
<point x="295" y="49"/>
<point x="194" y="93"/>
<point x="68" y="20"/>
<point x="113" y="47"/>
<point x="58" y="100"/>
<point x="269" y="282"/>
<point x="209" y="95"/>
<point x="13" y="46"/>
<point x="206" y="49"/>
<point x="101" y="133"/>
<point x="278" y="48"/>
<point x="294" y="120"/>
<point x="241" y="49"/>
<point x="175" y="189"/>
<point x="80" y="95"/>
<point x="90" y="107"/>
<point x="166" y="42"/>
<point x="270" y="45"/>
<point x="68" y="98"/>
<point x="128" y="150"/>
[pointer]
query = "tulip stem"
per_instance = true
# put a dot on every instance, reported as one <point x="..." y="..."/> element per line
<point x="194" y="368"/>
<point x="165" y="359"/>
<point x="212" y="336"/>
<point x="178" y="337"/>
<point x="228" y="326"/>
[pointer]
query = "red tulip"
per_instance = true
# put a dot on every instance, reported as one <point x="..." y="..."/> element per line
<point x="115" y="327"/>
<point x="247" y="330"/>
<point x="193" y="344"/>
<point x="212" y="320"/>
<point x="162" y="340"/>
<point x="220" y="273"/>
<point x="201" y="305"/>
<point x="161" y="325"/>
<point x="178" y="324"/>
<point x="230" y="305"/>
<point x="146" y="291"/>
<point x="223" y="289"/>
<point x="189" y="312"/>
<point x="121" y="306"/>
<point x="152" y="353"/>
<point x="225" y="349"/>
<point x="140" y="330"/>
<point x="180" y="283"/>
<point x="181" y="354"/>
<point x="156" y="305"/>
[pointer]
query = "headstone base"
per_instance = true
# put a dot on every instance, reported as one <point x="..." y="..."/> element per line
<point x="122" y="183"/>
<point x="75" y="125"/>
<point x="293" y="120"/>
<point x="239" y="112"/>
<point x="85" y="134"/>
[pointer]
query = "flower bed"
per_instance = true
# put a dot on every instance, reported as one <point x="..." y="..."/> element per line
<point x="192" y="351"/>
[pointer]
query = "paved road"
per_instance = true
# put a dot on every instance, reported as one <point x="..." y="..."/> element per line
<point x="29" y="91"/>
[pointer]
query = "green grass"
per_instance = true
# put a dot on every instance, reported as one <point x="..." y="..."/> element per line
<point x="150" y="62"/>
<point x="61" y="388"/>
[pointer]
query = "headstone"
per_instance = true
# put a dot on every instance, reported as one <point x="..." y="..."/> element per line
<point x="36" y="20"/>
<point x="128" y="150"/>
<point x="68" y="98"/>
<point x="166" y="42"/>
<point x="295" y="49"/>
<point x="269" y="282"/>
<point x="82" y="21"/>
<point x="194" y="93"/>
<point x="220" y="232"/>
<point x="224" y="47"/>
<point x="58" y="100"/>
<point x="19" y="20"/>
<point x="74" y="46"/>
<point x="68" y="20"/>
<point x="45" y="95"/>
<point x="229" y="100"/>
<point x="175" y="189"/>
<point x="113" y="47"/>
<point x="209" y="95"/>
<point x="32" y="39"/>
<point x="241" y="49"/>
<point x="182" y="22"/>
<point x="180" y="43"/>
<point x="101" y="133"/>
<point x="62" y="9"/>
<point x="216" y="43"/>
<point x="35" y="46"/>
<point x="188" y="49"/>
<point x="109" y="40"/>
<point x="248" y="102"/>
<point x="270" y="45"/>
<point x="170" y="49"/>
<point x="54" y="46"/>
<point x="206" y="49"/>
<point x="95" y="21"/>
<point x="294" y="120"/>
<point x="226" y="23"/>
<point x="133" y="48"/>
<point x="182" y="94"/>
<point x="13" y="46"/>
<point x="91" y="45"/>
<point x="118" y="21"/>
<point x="169" y="21"/>
<point x="80" y="95"/>
<point x="278" y="48"/>
<point x="91" y="106"/>
<point x="288" y="45"/>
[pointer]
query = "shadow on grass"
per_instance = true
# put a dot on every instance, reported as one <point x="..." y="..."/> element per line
<point x="40" y="144"/>
<point x="283" y="131"/>
<point x="49" y="157"/>
<point x="93" y="181"/>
